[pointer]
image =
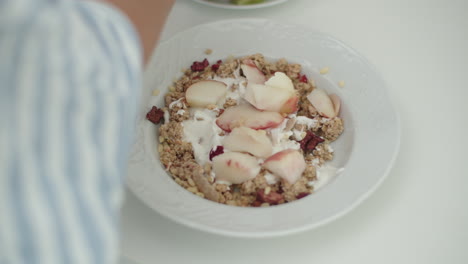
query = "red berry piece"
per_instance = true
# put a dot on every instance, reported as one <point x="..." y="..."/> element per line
<point x="310" y="141"/>
<point x="271" y="198"/>
<point x="218" y="151"/>
<point x="155" y="115"/>
<point x="199" y="65"/>
<point x="302" y="195"/>
<point x="303" y="79"/>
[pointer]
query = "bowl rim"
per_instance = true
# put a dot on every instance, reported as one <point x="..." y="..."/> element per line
<point x="328" y="219"/>
<point x="240" y="7"/>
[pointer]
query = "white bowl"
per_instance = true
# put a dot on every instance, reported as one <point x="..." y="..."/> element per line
<point x="366" y="150"/>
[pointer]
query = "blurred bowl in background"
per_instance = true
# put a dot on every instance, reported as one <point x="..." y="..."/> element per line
<point x="228" y="5"/>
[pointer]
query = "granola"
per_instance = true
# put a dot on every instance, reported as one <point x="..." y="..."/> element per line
<point x="224" y="149"/>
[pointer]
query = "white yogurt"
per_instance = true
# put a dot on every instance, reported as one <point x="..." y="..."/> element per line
<point x="166" y="116"/>
<point x="280" y="138"/>
<point x="325" y="174"/>
<point x="309" y="122"/>
<point x="270" y="178"/>
<point x="303" y="120"/>
<point x="202" y="132"/>
<point x="239" y="80"/>
<point x="177" y="103"/>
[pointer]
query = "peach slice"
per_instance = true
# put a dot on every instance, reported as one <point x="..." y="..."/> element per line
<point x="282" y="81"/>
<point x="248" y="116"/>
<point x="234" y="167"/>
<point x="265" y="97"/>
<point x="271" y="99"/>
<point x="336" y="103"/>
<point x="252" y="72"/>
<point x="322" y="102"/>
<point x="290" y="106"/>
<point x="204" y="185"/>
<point x="288" y="164"/>
<point x="203" y="93"/>
<point x="276" y="95"/>
<point x="244" y="139"/>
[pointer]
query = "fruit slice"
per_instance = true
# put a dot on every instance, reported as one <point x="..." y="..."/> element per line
<point x="247" y="116"/>
<point x="252" y="72"/>
<point x="244" y="139"/>
<point x="322" y="102"/>
<point x="276" y="95"/>
<point x="290" y="106"/>
<point x="203" y="93"/>
<point x="336" y="103"/>
<point x="271" y="98"/>
<point x="264" y="97"/>
<point x="234" y="167"/>
<point x="288" y="164"/>
<point x="281" y="81"/>
<point x="204" y="185"/>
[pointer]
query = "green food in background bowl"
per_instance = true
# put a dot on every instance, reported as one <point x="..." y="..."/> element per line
<point x="247" y="2"/>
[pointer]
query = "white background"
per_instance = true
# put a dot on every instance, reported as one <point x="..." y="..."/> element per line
<point x="420" y="213"/>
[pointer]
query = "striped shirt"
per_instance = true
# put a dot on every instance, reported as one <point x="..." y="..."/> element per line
<point x="69" y="89"/>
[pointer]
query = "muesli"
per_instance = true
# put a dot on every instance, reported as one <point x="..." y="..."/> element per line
<point x="247" y="131"/>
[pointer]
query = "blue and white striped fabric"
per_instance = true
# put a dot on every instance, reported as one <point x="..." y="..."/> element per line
<point x="69" y="88"/>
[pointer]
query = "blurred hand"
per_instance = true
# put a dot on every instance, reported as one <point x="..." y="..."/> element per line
<point x="148" y="18"/>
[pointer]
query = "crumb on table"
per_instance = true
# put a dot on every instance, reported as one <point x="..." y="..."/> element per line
<point x="324" y="70"/>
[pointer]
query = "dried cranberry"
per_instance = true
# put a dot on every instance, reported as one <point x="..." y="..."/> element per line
<point x="310" y="141"/>
<point x="215" y="66"/>
<point x="155" y="115"/>
<point x="218" y="151"/>
<point x="220" y="112"/>
<point x="302" y="195"/>
<point x="303" y="79"/>
<point x="306" y="140"/>
<point x="271" y="198"/>
<point x="199" y="65"/>
<point x="256" y="203"/>
<point x="314" y="142"/>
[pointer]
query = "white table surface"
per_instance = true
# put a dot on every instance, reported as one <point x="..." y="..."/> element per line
<point x="420" y="213"/>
